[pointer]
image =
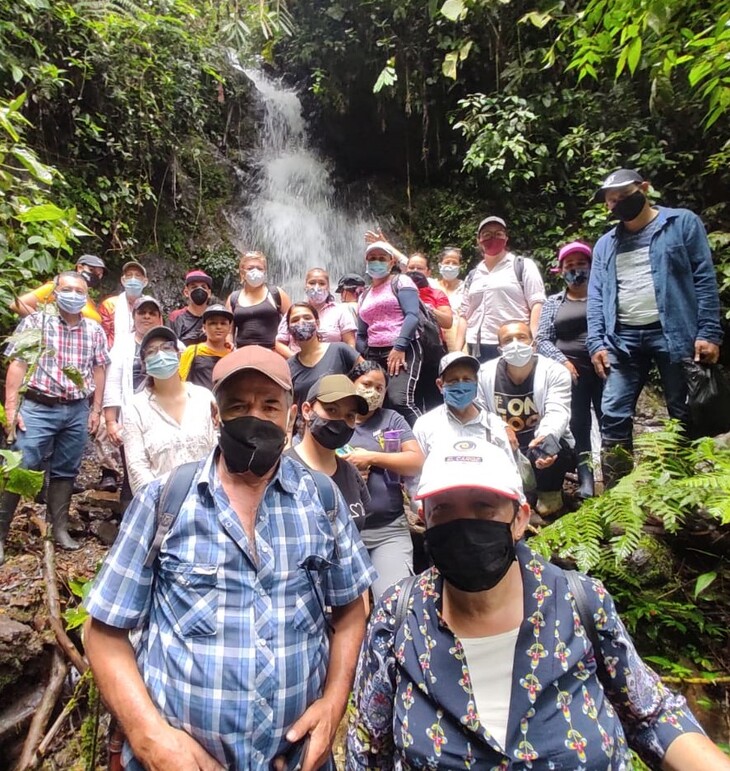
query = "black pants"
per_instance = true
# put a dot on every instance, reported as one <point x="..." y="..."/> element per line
<point x="401" y="395"/>
<point x="428" y="395"/>
<point x="586" y="392"/>
<point x="550" y="479"/>
<point x="484" y="351"/>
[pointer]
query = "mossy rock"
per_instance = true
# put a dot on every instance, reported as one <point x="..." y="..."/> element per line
<point x="652" y="562"/>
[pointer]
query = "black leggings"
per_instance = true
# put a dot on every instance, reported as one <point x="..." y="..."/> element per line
<point x="586" y="392"/>
<point x="401" y="395"/>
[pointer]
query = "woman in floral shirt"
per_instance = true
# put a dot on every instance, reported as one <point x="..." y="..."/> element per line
<point x="491" y="667"/>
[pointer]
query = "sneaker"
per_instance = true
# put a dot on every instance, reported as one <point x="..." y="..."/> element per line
<point x="549" y="503"/>
<point x="108" y="482"/>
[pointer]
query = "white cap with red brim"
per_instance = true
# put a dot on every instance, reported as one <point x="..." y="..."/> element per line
<point x="472" y="464"/>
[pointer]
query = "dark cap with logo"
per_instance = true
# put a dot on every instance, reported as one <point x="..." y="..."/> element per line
<point x="619" y="178"/>
<point x="350" y="281"/>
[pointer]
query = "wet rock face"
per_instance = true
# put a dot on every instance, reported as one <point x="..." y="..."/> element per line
<point x="19" y="644"/>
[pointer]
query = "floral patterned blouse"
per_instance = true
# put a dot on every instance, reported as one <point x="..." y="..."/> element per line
<point x="413" y="701"/>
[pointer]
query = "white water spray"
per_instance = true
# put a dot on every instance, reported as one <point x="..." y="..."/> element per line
<point x="293" y="216"/>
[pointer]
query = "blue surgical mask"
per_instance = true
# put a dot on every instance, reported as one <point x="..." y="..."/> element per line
<point x="317" y="294"/>
<point x="70" y="301"/>
<point x="377" y="268"/>
<point x="460" y="395"/>
<point x="162" y="364"/>
<point x="576" y="277"/>
<point x="133" y="287"/>
<point x="449" y="272"/>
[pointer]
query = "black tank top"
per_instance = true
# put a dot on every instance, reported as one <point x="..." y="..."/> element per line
<point x="571" y="328"/>
<point x="256" y="324"/>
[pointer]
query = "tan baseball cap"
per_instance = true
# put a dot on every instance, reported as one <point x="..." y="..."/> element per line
<point x="254" y="357"/>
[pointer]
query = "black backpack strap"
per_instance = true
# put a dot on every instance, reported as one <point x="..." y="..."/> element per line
<point x="275" y="292"/>
<point x="172" y="496"/>
<point x="519" y="266"/>
<point x="578" y="590"/>
<point x="401" y="605"/>
<point x="234" y="299"/>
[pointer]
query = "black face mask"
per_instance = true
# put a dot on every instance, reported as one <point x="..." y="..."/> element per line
<point x="471" y="554"/>
<point x="251" y="444"/>
<point x="418" y="279"/>
<point x="629" y="208"/>
<point x="330" y="433"/>
<point x="91" y="279"/>
<point x="199" y="296"/>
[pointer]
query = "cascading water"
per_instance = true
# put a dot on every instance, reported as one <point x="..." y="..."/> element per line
<point x="292" y="216"/>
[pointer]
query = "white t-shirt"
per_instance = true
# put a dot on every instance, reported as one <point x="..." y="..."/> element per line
<point x="496" y="296"/>
<point x="490" y="661"/>
<point x="636" y="296"/>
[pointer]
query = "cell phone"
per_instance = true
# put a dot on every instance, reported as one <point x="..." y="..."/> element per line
<point x="295" y="754"/>
<point x="547" y="448"/>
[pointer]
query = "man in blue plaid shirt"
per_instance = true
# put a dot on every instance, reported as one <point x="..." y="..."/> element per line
<point x="237" y="663"/>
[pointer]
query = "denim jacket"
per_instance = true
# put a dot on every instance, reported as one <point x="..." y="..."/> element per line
<point x="684" y="281"/>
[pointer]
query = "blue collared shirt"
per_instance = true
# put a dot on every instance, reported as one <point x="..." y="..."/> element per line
<point x="684" y="280"/>
<point x="234" y="644"/>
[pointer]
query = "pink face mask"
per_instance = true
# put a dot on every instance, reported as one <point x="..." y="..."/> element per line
<point x="493" y="246"/>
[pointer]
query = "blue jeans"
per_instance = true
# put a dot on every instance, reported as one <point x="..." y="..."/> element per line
<point x="626" y="378"/>
<point x="54" y="437"/>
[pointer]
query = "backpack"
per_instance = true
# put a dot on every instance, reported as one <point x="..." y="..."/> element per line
<point x="429" y="332"/>
<point x="176" y="489"/>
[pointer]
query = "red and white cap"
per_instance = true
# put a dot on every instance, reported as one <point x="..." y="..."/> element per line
<point x="471" y="464"/>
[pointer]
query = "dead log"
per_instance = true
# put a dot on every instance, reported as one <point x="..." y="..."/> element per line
<point x="59" y="669"/>
<point x="14" y="717"/>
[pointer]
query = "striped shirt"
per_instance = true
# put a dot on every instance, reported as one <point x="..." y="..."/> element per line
<point x="234" y="644"/>
<point x="68" y="353"/>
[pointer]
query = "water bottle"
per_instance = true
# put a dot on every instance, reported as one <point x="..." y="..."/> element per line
<point x="391" y="443"/>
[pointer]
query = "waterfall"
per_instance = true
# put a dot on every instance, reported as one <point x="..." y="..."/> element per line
<point x="293" y="214"/>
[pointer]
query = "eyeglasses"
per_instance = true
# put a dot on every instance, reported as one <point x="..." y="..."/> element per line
<point x="152" y="349"/>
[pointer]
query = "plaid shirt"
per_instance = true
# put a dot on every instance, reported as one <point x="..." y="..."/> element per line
<point x="234" y="647"/>
<point x="81" y="347"/>
<point x="546" y="334"/>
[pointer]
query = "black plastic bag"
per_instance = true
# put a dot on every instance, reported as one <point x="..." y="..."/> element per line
<point x="708" y="399"/>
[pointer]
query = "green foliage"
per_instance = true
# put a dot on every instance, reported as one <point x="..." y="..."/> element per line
<point x="76" y="616"/>
<point x="674" y="484"/>
<point x="671" y="482"/>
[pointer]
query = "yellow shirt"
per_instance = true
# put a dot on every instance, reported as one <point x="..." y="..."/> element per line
<point x="44" y="292"/>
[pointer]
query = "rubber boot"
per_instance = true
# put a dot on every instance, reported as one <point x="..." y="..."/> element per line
<point x="57" y="503"/>
<point x="109" y="482"/>
<point x="8" y="504"/>
<point x="616" y="462"/>
<point x="586" y="484"/>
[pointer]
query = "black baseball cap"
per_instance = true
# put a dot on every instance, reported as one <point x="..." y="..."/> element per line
<point x="146" y="299"/>
<point x="350" y="281"/>
<point x="164" y="333"/>
<point x="91" y="260"/>
<point x="217" y="310"/>
<point x="619" y="178"/>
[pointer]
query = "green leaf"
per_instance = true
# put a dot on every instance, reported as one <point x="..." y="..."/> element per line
<point x="39" y="170"/>
<point x="74" y="376"/>
<point x="75" y="617"/>
<point x="448" y="66"/>
<point x="703" y="582"/>
<point x="24" y="482"/>
<point x="454" y="10"/>
<point x="537" y="19"/>
<point x="634" y="54"/>
<point x="388" y="76"/>
<point x="12" y="459"/>
<point x="45" y="212"/>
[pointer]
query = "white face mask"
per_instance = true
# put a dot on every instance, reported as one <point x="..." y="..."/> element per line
<point x="255" y="277"/>
<point x="518" y="354"/>
<point x="449" y="272"/>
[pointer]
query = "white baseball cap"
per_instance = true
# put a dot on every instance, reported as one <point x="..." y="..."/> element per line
<point x="470" y="463"/>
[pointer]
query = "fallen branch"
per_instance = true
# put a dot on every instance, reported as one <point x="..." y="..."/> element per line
<point x="71" y="651"/>
<point x="16" y="716"/>
<point x="723" y="680"/>
<point x="59" y="669"/>
<point x="71" y="705"/>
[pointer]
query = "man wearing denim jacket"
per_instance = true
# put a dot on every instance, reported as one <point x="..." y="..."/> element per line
<point x="652" y="298"/>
